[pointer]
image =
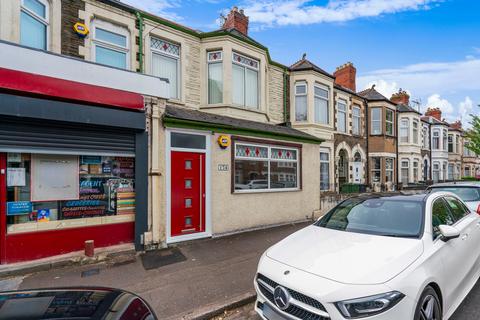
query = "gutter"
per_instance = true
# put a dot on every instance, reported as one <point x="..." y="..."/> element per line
<point x="140" y="42"/>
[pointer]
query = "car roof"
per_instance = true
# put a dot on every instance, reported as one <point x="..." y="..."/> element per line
<point x="393" y="196"/>
<point x="456" y="184"/>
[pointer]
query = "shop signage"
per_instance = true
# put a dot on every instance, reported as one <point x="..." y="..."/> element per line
<point x="90" y="160"/>
<point x="16" y="177"/>
<point x="19" y="208"/>
<point x="43" y="215"/>
<point x="81" y="29"/>
<point x="223" y="167"/>
<point x="224" y="141"/>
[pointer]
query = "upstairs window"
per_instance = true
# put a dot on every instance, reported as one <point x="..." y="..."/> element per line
<point x="166" y="63"/>
<point x="376" y="121"/>
<point x="301" y="101"/>
<point x="342" y="115"/>
<point x="245" y="81"/>
<point x="436" y="140"/>
<point x="425" y="137"/>
<point x="415" y="131"/>
<point x="356" y="120"/>
<point x="110" y="44"/>
<point x="445" y="139"/>
<point x="404" y="130"/>
<point x="389" y="122"/>
<point x="321" y="96"/>
<point x="450" y="143"/>
<point x="215" y="77"/>
<point x="34" y="24"/>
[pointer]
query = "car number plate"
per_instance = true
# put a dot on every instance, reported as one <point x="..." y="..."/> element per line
<point x="271" y="314"/>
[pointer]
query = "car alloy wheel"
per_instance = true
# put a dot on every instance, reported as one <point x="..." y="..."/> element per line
<point x="430" y="309"/>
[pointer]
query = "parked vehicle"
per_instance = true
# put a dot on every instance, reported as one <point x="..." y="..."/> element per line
<point x="469" y="192"/>
<point x="74" y="303"/>
<point x="385" y="257"/>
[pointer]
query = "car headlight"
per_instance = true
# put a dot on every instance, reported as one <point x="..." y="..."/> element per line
<point x="369" y="306"/>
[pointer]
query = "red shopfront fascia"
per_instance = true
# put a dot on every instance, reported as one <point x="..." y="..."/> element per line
<point x="27" y="246"/>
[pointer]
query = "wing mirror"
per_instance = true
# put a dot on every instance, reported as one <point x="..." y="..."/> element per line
<point x="448" y="232"/>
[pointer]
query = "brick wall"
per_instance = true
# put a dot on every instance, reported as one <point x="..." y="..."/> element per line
<point x="70" y="40"/>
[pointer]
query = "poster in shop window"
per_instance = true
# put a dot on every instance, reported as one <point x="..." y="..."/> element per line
<point x="54" y="177"/>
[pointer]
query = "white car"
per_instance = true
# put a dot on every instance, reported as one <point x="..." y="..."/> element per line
<point x="380" y="257"/>
<point x="469" y="192"/>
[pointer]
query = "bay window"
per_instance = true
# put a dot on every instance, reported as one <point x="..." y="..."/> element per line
<point x="324" y="169"/>
<point x="436" y="140"/>
<point x="215" y="77"/>
<point x="376" y="169"/>
<point x="265" y="167"/>
<point x="436" y="171"/>
<point x="245" y="81"/>
<point x="445" y="139"/>
<point x="467" y="172"/>
<point x="416" y="176"/>
<point x="415" y="131"/>
<point x="166" y="63"/>
<point x="425" y="137"/>
<point x="110" y="44"/>
<point x="389" y="122"/>
<point x="356" y="120"/>
<point x="301" y="109"/>
<point x="376" y="121"/>
<point x="404" y="130"/>
<point x="341" y="115"/>
<point x="34" y="23"/>
<point x="321" y="95"/>
<point x="450" y="143"/>
<point x="389" y="170"/>
<point x="404" y="168"/>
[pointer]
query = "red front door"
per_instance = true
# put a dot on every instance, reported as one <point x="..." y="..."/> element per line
<point x="188" y="193"/>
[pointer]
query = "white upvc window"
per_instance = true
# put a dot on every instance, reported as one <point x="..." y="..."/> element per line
<point x="445" y="140"/>
<point x="389" y="167"/>
<point x="389" y="120"/>
<point x="245" y="81"/>
<point x="34" y="23"/>
<point x="341" y="115"/>
<point x="376" y="126"/>
<point x="415" y="131"/>
<point x="301" y="106"/>
<point x="405" y="130"/>
<point x="467" y="172"/>
<point x="110" y="44"/>
<point x="416" y="176"/>
<point x="436" y="139"/>
<point x="321" y="104"/>
<point x="436" y="171"/>
<point x="356" y="120"/>
<point x="451" y="168"/>
<point x="166" y="63"/>
<point x="404" y="168"/>
<point x="324" y="169"/>
<point x="451" y="143"/>
<point x="215" y="77"/>
<point x="425" y="137"/>
<point x="260" y="167"/>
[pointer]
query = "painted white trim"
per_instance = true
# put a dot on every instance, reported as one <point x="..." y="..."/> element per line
<point x="382" y="154"/>
<point x="44" y="20"/>
<point x="119" y="30"/>
<point x="168" y="167"/>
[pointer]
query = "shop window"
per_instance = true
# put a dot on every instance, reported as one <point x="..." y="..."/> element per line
<point x="342" y="116"/>
<point x="376" y="169"/>
<point x="389" y="115"/>
<point x="356" y="121"/>
<point x="324" y="169"/>
<point x="245" y="81"/>
<point x="110" y="44"/>
<point x="301" y="101"/>
<point x="389" y="177"/>
<point x="264" y="167"/>
<point x="321" y="96"/>
<point x="215" y="77"/>
<point x="47" y="192"/>
<point x="376" y="121"/>
<point x="34" y="23"/>
<point x="166" y="63"/>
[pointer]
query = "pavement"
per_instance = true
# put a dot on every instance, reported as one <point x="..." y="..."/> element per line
<point x="217" y="274"/>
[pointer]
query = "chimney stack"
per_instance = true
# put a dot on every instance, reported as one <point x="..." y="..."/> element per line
<point x="456" y="125"/>
<point x="401" y="97"/>
<point x="237" y="20"/>
<point x="345" y="75"/>
<point x="434" y="112"/>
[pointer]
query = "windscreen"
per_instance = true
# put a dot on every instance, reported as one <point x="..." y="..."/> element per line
<point x="381" y="216"/>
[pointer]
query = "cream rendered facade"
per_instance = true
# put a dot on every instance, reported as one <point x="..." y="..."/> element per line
<point x="410" y="162"/>
<point x="323" y="131"/>
<point x="455" y="150"/>
<point x="439" y="151"/>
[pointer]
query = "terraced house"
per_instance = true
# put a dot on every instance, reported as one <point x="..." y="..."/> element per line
<point x="439" y="143"/>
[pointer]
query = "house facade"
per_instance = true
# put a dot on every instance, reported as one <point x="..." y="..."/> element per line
<point x="382" y="140"/>
<point x="470" y="161"/>
<point x="455" y="151"/>
<point x="439" y="144"/>
<point x="410" y="159"/>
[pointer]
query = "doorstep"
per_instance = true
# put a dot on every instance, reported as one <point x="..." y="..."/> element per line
<point x="117" y="254"/>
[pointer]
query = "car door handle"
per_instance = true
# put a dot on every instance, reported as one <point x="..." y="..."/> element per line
<point x="465" y="236"/>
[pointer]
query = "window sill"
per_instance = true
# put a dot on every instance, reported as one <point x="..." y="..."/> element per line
<point x="232" y="106"/>
<point x="256" y="191"/>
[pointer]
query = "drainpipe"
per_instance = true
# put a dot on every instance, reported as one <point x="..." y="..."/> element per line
<point x="285" y="116"/>
<point x="140" y="42"/>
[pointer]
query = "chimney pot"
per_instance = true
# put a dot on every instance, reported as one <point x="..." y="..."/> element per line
<point x="236" y="19"/>
<point x="435" y="113"/>
<point x="401" y="97"/>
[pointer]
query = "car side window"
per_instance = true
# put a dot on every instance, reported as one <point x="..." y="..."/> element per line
<point x="457" y="209"/>
<point x="440" y="215"/>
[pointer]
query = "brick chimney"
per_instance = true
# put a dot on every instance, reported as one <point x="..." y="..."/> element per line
<point x="434" y="112"/>
<point x="236" y="19"/>
<point x="401" y="97"/>
<point x="345" y="75"/>
<point x="456" y="125"/>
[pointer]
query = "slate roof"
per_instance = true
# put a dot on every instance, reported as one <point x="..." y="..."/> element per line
<point x="225" y="122"/>
<point x="406" y="108"/>
<point x="373" y="95"/>
<point x="433" y="120"/>
<point x="305" y="65"/>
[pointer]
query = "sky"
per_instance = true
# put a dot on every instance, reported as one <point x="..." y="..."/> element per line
<point x="430" y="48"/>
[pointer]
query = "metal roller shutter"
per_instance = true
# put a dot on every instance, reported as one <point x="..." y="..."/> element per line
<point x="21" y="135"/>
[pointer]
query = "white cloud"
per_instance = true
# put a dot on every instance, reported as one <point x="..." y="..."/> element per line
<point x="461" y="111"/>
<point x="159" y="7"/>
<point x="302" y="12"/>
